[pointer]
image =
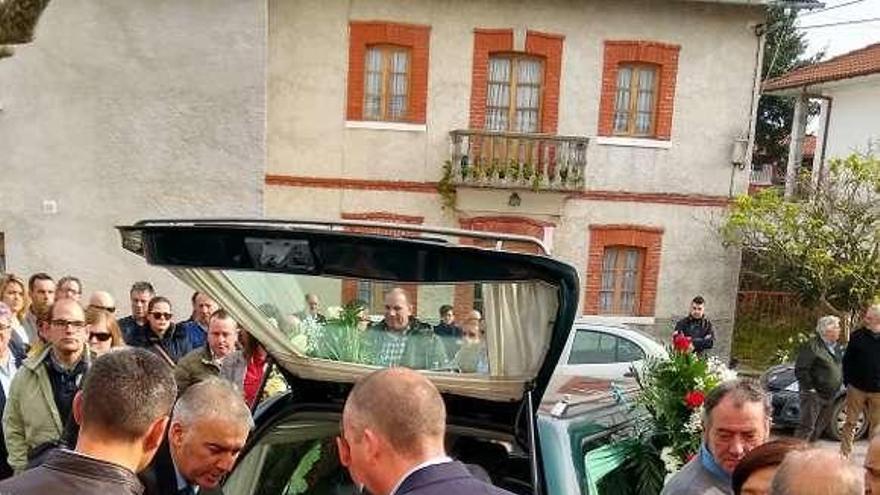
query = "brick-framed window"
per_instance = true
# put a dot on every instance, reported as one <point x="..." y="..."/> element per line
<point x="534" y="74"/>
<point x="387" y="72"/>
<point x="623" y="265"/>
<point x="638" y="89"/>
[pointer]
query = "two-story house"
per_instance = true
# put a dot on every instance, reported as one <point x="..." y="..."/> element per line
<point x="612" y="130"/>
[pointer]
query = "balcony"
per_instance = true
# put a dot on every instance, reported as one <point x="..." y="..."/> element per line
<point x="507" y="160"/>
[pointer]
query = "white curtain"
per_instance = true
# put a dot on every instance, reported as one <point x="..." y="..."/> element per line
<point x="621" y="104"/>
<point x="399" y="63"/>
<point x="373" y="84"/>
<point x="528" y="95"/>
<point x="498" y="97"/>
<point x="519" y="321"/>
<point x="645" y="103"/>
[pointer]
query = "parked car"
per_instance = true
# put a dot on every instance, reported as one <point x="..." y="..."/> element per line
<point x="783" y="387"/>
<point x="531" y="429"/>
<point x="607" y="351"/>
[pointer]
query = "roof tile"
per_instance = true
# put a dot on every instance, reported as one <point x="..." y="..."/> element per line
<point x="856" y="63"/>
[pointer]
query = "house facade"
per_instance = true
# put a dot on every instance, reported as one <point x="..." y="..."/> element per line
<point x="611" y="130"/>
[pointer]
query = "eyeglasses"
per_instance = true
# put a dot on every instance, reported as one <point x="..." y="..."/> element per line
<point x="67" y="323"/>
<point x="161" y="316"/>
<point x="100" y="336"/>
<point x="111" y="309"/>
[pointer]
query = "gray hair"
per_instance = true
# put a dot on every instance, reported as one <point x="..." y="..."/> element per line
<point x="212" y="398"/>
<point x="825" y="322"/>
<point x="741" y="390"/>
<point x="817" y="472"/>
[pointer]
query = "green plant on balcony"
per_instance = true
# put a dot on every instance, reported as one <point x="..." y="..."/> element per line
<point x="445" y="187"/>
<point x="513" y="169"/>
<point x="537" y="179"/>
<point x="527" y="171"/>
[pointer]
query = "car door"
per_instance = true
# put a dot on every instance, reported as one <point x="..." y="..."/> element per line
<point x="601" y="354"/>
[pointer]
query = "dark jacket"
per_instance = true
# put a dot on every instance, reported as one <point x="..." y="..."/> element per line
<point x="69" y="473"/>
<point x="130" y="328"/>
<point x="861" y="361"/>
<point x="699" y="330"/>
<point x="175" y="342"/>
<point x="446" y="479"/>
<point x="195" y="333"/>
<point x="160" y="478"/>
<point x="818" y="368"/>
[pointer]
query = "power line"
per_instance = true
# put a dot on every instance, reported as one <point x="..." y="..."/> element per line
<point x="841" y="23"/>
<point x="826" y="9"/>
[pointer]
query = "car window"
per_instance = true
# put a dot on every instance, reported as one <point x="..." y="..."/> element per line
<point x="590" y="347"/>
<point x="628" y="351"/>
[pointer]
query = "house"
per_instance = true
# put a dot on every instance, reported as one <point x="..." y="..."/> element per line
<point x="773" y="174"/>
<point x="613" y="130"/>
<point x="847" y="88"/>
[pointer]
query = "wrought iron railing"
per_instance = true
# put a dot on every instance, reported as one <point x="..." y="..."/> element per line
<point x="514" y="160"/>
<point x="762" y="176"/>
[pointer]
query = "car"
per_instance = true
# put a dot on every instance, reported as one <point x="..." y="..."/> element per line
<point x="782" y="384"/>
<point x="533" y="430"/>
<point x="604" y="350"/>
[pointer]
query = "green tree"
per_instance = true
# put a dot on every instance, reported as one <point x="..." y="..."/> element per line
<point x="825" y="248"/>
<point x="783" y="52"/>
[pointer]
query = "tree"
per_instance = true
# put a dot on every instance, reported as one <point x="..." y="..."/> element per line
<point x="18" y="19"/>
<point x="783" y="52"/>
<point x="826" y="248"/>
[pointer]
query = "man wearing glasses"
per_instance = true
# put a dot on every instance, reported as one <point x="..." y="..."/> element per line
<point x="38" y="407"/>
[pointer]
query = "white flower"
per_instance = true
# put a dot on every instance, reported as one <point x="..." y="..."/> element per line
<point x="695" y="421"/>
<point x="719" y="369"/>
<point x="670" y="461"/>
<point x="333" y="312"/>
<point x="699" y="383"/>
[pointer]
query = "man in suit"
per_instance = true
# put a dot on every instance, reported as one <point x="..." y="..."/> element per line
<point x="122" y="411"/>
<point x="208" y="429"/>
<point x="392" y="441"/>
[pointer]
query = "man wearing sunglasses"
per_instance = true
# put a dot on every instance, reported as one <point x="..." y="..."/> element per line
<point x="161" y="335"/>
<point x="40" y="399"/>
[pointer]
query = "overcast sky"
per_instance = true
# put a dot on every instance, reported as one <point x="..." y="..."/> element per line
<point x="840" y="39"/>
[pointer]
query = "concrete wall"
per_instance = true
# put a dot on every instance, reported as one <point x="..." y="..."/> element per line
<point x="308" y="64"/>
<point x="121" y="111"/>
<point x="854" y="125"/>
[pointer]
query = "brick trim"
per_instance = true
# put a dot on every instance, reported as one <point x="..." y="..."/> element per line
<point x="508" y="225"/>
<point x="547" y="46"/>
<point x="413" y="36"/>
<point x="384" y="216"/>
<point x="664" y="56"/>
<point x="648" y="238"/>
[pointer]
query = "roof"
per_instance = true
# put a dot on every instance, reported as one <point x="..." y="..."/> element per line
<point x="861" y="62"/>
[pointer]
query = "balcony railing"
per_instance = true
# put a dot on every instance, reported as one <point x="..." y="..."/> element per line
<point x="762" y="176"/>
<point x="513" y="160"/>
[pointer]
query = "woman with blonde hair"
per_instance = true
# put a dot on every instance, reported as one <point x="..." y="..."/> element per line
<point x="104" y="332"/>
<point x="13" y="293"/>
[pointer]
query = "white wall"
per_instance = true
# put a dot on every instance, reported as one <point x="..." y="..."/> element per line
<point x="854" y="117"/>
<point x="121" y="111"/>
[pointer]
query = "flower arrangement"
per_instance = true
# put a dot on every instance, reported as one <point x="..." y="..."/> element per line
<point x="673" y="392"/>
<point x="340" y="337"/>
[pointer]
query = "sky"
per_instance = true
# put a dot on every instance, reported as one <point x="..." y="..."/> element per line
<point x="841" y="39"/>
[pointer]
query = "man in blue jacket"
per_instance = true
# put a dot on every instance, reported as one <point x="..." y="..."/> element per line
<point x="393" y="428"/>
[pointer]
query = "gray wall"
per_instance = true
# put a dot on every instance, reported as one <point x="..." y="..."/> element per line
<point x="127" y="110"/>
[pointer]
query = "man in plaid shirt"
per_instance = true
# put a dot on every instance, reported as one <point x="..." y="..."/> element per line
<point x="402" y="340"/>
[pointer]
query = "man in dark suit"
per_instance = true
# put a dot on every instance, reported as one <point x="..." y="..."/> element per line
<point x="208" y="429"/>
<point x="393" y="429"/>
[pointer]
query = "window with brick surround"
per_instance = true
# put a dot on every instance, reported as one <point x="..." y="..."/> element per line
<point x="539" y="69"/>
<point x="623" y="266"/>
<point x="387" y="72"/>
<point x="638" y="89"/>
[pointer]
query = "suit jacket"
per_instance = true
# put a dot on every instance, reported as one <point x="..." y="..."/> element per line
<point x="445" y="479"/>
<point x="160" y="477"/>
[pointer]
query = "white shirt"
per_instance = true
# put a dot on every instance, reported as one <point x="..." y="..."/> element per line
<point x="430" y="462"/>
<point x="7" y="371"/>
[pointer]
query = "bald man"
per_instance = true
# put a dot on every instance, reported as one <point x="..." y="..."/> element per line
<point x="817" y="472"/>
<point x="102" y="300"/>
<point x="392" y="442"/>
<point x="400" y="339"/>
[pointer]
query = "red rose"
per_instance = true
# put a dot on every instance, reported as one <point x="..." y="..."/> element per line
<point x="681" y="343"/>
<point x="694" y="399"/>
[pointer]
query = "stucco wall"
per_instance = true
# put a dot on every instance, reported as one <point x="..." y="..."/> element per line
<point x="854" y="123"/>
<point x="308" y="44"/>
<point x="127" y="110"/>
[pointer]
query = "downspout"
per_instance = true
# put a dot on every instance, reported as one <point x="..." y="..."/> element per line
<point x="761" y="33"/>
<point x="825" y="125"/>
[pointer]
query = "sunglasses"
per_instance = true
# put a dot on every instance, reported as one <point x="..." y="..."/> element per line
<point x="160" y="316"/>
<point x="100" y="336"/>
<point x="111" y="309"/>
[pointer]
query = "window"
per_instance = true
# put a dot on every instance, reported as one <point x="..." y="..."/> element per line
<point x="634" y="107"/>
<point x="621" y="267"/>
<point x="373" y="293"/>
<point x="591" y="347"/>
<point x="513" y="98"/>
<point x="386" y="83"/>
<point x="638" y="89"/>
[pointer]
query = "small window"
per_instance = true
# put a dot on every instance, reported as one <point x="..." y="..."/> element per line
<point x="621" y="279"/>
<point x="513" y="99"/>
<point x="386" y="83"/>
<point x="373" y="293"/>
<point x="636" y="100"/>
<point x="592" y="348"/>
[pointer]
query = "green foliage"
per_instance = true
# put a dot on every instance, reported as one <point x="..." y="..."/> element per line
<point x="826" y="248"/>
<point x="643" y="471"/>
<point x="760" y="341"/>
<point x="445" y="186"/>
<point x="340" y="338"/>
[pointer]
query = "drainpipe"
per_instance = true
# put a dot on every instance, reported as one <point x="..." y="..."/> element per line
<point x="795" y="144"/>
<point x="818" y="174"/>
<point x="761" y="34"/>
